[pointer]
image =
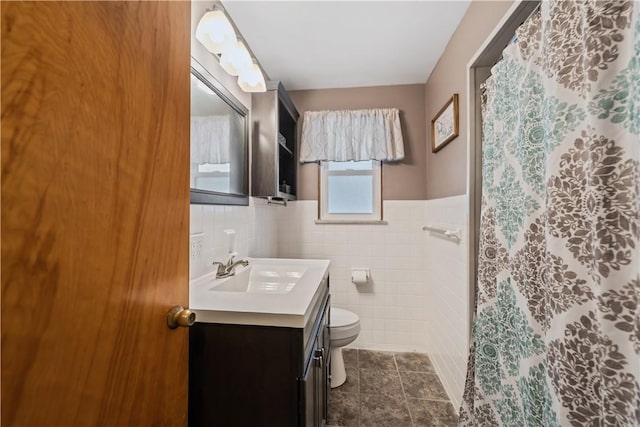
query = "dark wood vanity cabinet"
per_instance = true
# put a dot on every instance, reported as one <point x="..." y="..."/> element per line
<point x="245" y="375"/>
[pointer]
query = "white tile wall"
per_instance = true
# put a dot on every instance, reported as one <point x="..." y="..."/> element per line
<point x="392" y="305"/>
<point x="256" y="229"/>
<point x="417" y="299"/>
<point x="447" y="306"/>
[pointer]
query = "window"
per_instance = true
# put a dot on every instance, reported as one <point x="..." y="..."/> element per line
<point x="350" y="191"/>
<point x="212" y="177"/>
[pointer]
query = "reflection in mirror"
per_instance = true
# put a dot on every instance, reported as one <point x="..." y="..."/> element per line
<point x="219" y="145"/>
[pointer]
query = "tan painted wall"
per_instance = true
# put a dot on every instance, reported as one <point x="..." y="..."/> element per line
<point x="403" y="180"/>
<point x="446" y="169"/>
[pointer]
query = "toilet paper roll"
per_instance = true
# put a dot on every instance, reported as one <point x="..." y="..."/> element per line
<point x="359" y="277"/>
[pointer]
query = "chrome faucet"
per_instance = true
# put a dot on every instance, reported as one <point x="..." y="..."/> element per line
<point x="228" y="269"/>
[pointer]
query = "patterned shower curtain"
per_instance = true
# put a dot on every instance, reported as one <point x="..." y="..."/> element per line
<point x="556" y="335"/>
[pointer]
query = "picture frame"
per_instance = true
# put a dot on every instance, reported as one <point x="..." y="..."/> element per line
<point x="445" y="126"/>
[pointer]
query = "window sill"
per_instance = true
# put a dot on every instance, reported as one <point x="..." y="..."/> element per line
<point x="351" y="222"/>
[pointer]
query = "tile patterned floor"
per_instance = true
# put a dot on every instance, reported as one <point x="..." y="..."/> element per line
<point x="389" y="390"/>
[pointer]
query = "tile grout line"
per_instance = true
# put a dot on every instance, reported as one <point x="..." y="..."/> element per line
<point x="406" y="402"/>
<point x="358" y="389"/>
<point x="432" y="374"/>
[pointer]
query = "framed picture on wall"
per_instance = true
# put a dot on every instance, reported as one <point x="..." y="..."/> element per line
<point x="445" y="125"/>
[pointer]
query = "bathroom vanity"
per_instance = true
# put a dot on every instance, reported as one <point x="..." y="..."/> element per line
<point x="259" y="352"/>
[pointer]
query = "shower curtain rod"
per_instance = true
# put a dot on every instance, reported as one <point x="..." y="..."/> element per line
<point x="514" y="38"/>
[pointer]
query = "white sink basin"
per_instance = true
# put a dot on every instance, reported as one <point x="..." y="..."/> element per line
<point x="262" y="278"/>
<point x="269" y="292"/>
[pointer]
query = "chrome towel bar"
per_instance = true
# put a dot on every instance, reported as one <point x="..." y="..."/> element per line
<point x="455" y="234"/>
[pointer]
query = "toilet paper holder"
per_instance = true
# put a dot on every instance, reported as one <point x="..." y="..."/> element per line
<point x="359" y="276"/>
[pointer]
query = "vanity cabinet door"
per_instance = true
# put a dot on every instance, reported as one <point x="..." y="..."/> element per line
<point x="311" y="392"/>
<point x="322" y="364"/>
<point x="318" y="399"/>
<point x="325" y="332"/>
<point x="315" y="383"/>
<point x="307" y="400"/>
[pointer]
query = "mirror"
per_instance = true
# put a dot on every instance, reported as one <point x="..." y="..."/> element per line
<point x="219" y="142"/>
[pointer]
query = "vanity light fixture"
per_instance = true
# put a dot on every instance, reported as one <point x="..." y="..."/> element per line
<point x="253" y="80"/>
<point x="216" y="33"/>
<point x="235" y="58"/>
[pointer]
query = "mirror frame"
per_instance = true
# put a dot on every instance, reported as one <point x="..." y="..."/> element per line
<point x="207" y="197"/>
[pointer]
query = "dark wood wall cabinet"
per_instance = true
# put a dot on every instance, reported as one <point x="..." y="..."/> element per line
<point x="245" y="375"/>
<point x="275" y="148"/>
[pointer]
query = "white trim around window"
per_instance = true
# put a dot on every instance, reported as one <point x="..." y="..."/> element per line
<point x="369" y="213"/>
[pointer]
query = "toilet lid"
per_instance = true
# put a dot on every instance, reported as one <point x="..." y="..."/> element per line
<point x="339" y="318"/>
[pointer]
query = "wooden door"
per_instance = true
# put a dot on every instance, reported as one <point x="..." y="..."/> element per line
<point x="95" y="211"/>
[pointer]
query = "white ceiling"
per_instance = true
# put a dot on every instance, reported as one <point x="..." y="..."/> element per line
<point x="331" y="44"/>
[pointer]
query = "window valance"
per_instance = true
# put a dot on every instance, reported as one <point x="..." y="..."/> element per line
<point x="351" y="135"/>
<point x="210" y="139"/>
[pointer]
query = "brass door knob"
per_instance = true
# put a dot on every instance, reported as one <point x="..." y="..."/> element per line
<point x="180" y="316"/>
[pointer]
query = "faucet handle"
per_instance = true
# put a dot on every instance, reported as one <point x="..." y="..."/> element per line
<point x="221" y="267"/>
<point x="232" y="256"/>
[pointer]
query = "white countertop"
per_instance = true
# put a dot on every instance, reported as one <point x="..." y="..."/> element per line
<point x="290" y="309"/>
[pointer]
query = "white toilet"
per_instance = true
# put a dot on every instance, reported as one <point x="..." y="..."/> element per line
<point x="345" y="327"/>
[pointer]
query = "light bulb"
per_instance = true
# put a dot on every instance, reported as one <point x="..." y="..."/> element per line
<point x="252" y="79"/>
<point x="215" y="31"/>
<point x="235" y="58"/>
